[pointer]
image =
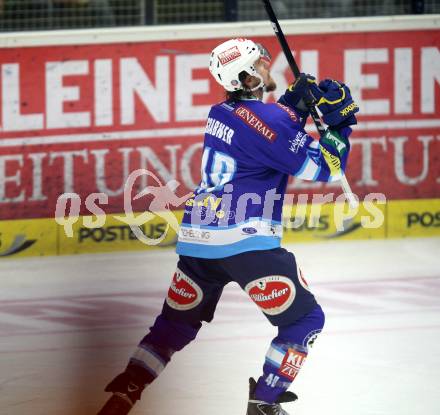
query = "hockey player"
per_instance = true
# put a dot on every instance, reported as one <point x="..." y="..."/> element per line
<point x="231" y="229"/>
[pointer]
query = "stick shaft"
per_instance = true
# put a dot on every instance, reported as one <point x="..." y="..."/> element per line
<point x="296" y="72"/>
<point x="290" y="59"/>
<point x="281" y="38"/>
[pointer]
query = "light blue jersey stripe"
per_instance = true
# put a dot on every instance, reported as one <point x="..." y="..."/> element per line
<point x="253" y="243"/>
<point x="272" y="362"/>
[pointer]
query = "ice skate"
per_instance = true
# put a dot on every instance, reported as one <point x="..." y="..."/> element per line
<point x="126" y="391"/>
<point x="257" y="407"/>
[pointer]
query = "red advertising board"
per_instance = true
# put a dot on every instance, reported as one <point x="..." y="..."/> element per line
<point x="81" y="118"/>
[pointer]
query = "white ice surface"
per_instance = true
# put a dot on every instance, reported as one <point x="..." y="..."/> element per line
<point x="68" y="325"/>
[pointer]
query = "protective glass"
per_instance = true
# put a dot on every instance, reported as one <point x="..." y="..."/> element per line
<point x="264" y="53"/>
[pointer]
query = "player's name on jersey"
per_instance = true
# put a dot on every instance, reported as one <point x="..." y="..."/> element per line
<point x="218" y="129"/>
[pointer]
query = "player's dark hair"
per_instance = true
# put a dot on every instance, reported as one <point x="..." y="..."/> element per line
<point x="242" y="93"/>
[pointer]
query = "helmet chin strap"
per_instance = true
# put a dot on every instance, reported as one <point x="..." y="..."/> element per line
<point x="260" y="85"/>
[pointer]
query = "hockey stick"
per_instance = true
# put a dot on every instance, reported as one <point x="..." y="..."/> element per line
<point x="313" y="112"/>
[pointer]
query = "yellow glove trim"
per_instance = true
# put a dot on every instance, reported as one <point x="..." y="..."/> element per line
<point x="323" y="100"/>
<point x="291" y="87"/>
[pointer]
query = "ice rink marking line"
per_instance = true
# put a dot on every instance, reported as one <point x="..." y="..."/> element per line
<point x="375" y="280"/>
<point x="223" y="320"/>
<point x="236" y="293"/>
<point x="74" y="309"/>
<point x="216" y="339"/>
<point x="89" y="296"/>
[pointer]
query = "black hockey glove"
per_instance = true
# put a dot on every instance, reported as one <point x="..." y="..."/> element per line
<point x="298" y="95"/>
<point x="334" y="100"/>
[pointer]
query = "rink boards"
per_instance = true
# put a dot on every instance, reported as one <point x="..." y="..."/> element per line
<point x="81" y="110"/>
<point x="401" y="218"/>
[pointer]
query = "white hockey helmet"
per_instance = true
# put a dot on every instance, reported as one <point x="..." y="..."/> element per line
<point x="231" y="58"/>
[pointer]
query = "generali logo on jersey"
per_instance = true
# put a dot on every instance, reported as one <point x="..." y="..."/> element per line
<point x="273" y="294"/>
<point x="291" y="364"/>
<point x="183" y="293"/>
<point x="229" y="55"/>
<point x="256" y="123"/>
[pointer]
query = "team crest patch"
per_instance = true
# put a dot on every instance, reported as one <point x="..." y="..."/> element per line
<point x="273" y="294"/>
<point x="229" y="55"/>
<point x="183" y="293"/>
<point x="256" y="123"/>
<point x="292" y="363"/>
<point x="310" y="339"/>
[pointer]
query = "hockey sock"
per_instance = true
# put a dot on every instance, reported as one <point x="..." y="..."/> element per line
<point x="156" y="348"/>
<point x="287" y="354"/>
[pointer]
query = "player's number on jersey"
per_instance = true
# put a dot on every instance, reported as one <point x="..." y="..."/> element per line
<point x="216" y="170"/>
<point x="272" y="380"/>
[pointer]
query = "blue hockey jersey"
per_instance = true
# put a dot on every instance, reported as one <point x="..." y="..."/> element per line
<point x="250" y="149"/>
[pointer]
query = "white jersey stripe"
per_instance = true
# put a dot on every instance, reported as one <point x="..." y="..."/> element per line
<point x="219" y="236"/>
<point x="275" y="356"/>
<point x="149" y="359"/>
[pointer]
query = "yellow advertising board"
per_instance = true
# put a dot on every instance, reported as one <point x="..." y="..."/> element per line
<point x="413" y="218"/>
<point x="29" y="237"/>
<point x="115" y="234"/>
<point x="313" y="223"/>
<point x="302" y="223"/>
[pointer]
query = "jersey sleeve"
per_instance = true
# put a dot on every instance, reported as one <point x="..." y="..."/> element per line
<point x="291" y="150"/>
